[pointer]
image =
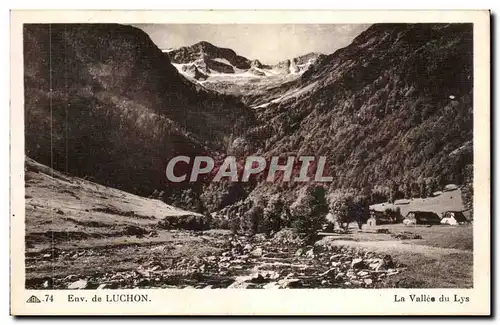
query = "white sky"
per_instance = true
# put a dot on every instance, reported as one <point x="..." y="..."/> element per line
<point x="269" y="43"/>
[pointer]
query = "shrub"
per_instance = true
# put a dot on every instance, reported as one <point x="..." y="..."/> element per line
<point x="188" y="222"/>
<point x="287" y="236"/>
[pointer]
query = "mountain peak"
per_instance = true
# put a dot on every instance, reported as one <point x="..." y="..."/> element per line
<point x="210" y="54"/>
<point x="204" y="44"/>
<point x="300" y="63"/>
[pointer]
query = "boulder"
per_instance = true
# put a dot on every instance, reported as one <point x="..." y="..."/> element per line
<point x="329" y="272"/>
<point x="271" y="285"/>
<point x="70" y="278"/>
<point x="257" y="252"/>
<point x="259" y="237"/>
<point x="357" y="263"/>
<point x="132" y="230"/>
<point x="388" y="262"/>
<point x="335" y="257"/>
<point x="377" y="264"/>
<point x="80" y="284"/>
<point x="241" y="285"/>
<point x="364" y="274"/>
<point x="289" y="283"/>
<point x="270" y="275"/>
<point x="310" y="253"/>
<point x="257" y="278"/>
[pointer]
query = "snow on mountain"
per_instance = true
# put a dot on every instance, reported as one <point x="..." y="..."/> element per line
<point x="294" y="93"/>
<point x="223" y="70"/>
<point x="217" y="61"/>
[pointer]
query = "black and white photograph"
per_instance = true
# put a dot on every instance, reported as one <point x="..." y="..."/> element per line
<point x="261" y="155"/>
<point x="386" y="111"/>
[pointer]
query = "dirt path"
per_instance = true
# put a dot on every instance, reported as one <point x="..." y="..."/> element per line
<point x="400" y="246"/>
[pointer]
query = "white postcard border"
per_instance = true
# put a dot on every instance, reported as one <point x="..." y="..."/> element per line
<point x="263" y="302"/>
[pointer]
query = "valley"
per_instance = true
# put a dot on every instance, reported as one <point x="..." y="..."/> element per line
<point x="82" y="235"/>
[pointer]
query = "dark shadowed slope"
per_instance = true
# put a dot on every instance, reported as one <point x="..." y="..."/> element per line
<point x="103" y="101"/>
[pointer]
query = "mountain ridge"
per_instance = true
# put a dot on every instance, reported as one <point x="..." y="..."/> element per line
<point x="390" y="107"/>
<point x="207" y="58"/>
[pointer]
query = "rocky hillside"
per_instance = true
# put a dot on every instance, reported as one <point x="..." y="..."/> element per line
<point x="393" y="106"/>
<point x="103" y="102"/>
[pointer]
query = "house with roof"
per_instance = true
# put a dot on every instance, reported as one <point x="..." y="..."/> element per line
<point x="421" y="218"/>
<point x="453" y="218"/>
<point x="383" y="217"/>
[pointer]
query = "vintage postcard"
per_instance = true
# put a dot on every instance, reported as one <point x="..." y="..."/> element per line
<point x="250" y="162"/>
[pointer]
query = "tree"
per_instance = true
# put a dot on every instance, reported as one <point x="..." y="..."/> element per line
<point x="378" y="195"/>
<point x="346" y="209"/>
<point x="190" y="200"/>
<point x="213" y="196"/>
<point x="309" y="210"/>
<point x="252" y="218"/>
<point x="431" y="186"/>
<point x="421" y="188"/>
<point x="393" y="213"/>
<point x="367" y="192"/>
<point x="393" y="191"/>
<point x="360" y="210"/>
<point x="274" y="214"/>
<point x="415" y="191"/>
<point x="467" y="190"/>
<point x="397" y="214"/>
<point x="407" y="190"/>
<point x="340" y="210"/>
